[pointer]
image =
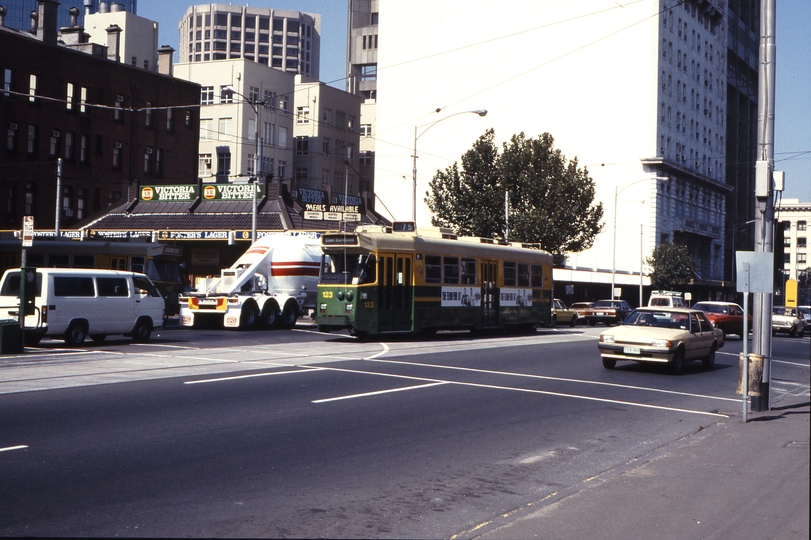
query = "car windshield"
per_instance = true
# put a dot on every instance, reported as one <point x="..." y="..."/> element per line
<point x="660" y="319"/>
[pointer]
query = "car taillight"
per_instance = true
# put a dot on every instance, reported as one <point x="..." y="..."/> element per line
<point x="44" y="312"/>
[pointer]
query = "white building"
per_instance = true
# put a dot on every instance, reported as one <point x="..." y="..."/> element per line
<point x="235" y="94"/>
<point x="794" y="217"/>
<point x="139" y="36"/>
<point x="636" y="92"/>
<point x="285" y="40"/>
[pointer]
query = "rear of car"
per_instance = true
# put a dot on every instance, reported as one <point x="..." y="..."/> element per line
<point x="787" y="320"/>
<point x="607" y="311"/>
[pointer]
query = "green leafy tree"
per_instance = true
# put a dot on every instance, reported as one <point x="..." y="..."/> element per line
<point x="672" y="265"/>
<point x="551" y="200"/>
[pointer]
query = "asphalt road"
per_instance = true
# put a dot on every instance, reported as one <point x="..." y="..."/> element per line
<point x="300" y="434"/>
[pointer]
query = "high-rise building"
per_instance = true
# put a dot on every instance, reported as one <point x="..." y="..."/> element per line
<point x="361" y="69"/>
<point x="656" y="99"/>
<point x="285" y="40"/>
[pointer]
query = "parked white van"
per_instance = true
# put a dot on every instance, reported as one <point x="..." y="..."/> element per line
<point x="74" y="303"/>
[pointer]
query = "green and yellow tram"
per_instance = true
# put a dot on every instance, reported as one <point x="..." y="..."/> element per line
<point x="378" y="279"/>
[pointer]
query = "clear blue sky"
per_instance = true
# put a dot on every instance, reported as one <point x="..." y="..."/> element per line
<point x="792" y="110"/>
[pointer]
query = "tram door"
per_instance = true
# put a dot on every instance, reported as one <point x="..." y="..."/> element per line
<point x="489" y="273"/>
<point x="395" y="293"/>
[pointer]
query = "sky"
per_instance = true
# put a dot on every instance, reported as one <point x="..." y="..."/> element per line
<point x="793" y="85"/>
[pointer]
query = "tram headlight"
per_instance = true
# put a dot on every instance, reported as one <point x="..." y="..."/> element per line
<point x="350" y="296"/>
<point x="340" y="295"/>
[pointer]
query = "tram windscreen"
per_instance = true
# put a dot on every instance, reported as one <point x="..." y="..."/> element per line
<point x="348" y="268"/>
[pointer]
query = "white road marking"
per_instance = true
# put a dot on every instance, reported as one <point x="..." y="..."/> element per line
<point x="379" y="392"/>
<point x="20" y="447"/>
<point x="252" y="375"/>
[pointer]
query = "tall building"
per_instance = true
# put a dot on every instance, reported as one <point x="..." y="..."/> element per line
<point x="110" y="125"/>
<point x="18" y="12"/>
<point x="361" y="69"/>
<point x="286" y="40"/>
<point x="793" y="217"/>
<point x="637" y="93"/>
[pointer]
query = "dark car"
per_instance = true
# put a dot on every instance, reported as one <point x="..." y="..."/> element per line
<point x="607" y="311"/>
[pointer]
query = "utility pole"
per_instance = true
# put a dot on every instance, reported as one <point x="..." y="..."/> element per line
<point x="764" y="190"/>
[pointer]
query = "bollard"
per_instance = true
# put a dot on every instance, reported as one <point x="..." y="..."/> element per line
<point x="755" y="373"/>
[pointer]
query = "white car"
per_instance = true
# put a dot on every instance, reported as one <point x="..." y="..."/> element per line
<point x="788" y="320"/>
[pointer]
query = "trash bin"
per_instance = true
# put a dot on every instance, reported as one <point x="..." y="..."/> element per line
<point x="10" y="338"/>
<point x="755" y="373"/>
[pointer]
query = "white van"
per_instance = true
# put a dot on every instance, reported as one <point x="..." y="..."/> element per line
<point x="74" y="303"/>
<point x="670" y="299"/>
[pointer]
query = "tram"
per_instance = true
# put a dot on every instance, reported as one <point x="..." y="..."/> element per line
<point x="381" y="279"/>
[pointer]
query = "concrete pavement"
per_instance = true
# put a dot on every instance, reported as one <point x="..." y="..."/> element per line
<point x="732" y="480"/>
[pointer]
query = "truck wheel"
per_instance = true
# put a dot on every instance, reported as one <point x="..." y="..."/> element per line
<point x="75" y="334"/>
<point x="289" y="315"/>
<point x="142" y="331"/>
<point x="249" y="316"/>
<point x="271" y="318"/>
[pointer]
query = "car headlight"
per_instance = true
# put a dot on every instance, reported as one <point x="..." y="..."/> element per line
<point x="661" y="343"/>
<point x="606" y="339"/>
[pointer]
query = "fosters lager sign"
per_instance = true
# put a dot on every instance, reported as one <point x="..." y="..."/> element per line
<point x="211" y="192"/>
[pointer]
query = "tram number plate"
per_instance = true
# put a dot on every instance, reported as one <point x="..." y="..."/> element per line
<point x="630" y="350"/>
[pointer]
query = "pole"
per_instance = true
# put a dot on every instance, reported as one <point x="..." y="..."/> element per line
<point x="764" y="205"/>
<point x="745" y="374"/>
<point x="414" y="181"/>
<point x="58" y="214"/>
<point x="507" y="215"/>
<point x="614" y="245"/>
<point x="641" y="262"/>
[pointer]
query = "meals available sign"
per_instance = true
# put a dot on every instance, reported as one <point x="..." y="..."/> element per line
<point x="189" y="192"/>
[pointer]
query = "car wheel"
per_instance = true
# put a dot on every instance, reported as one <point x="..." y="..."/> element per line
<point x="142" y="331"/>
<point x="608" y="363"/>
<point x="74" y="335"/>
<point x="678" y="362"/>
<point x="709" y="361"/>
<point x="573" y="321"/>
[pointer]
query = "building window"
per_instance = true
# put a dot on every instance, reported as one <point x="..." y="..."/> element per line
<point x="30" y="198"/>
<point x="11" y="138"/>
<point x="253" y="94"/>
<point x="301" y="176"/>
<point x="365" y="158"/>
<point x="327" y="120"/>
<point x="224" y="163"/>
<point x="366" y="130"/>
<point x="170" y="120"/>
<point x="159" y="161"/>
<point x="32" y="88"/>
<point x="801" y="225"/>
<point x="54" y="146"/>
<point x="117" y="155"/>
<point x="11" y="204"/>
<point x="325" y="145"/>
<point x="204" y="166"/>
<point x="69" y="97"/>
<point x="224" y="129"/>
<point x="226" y="94"/>
<point x="83" y="149"/>
<point x="303" y="115"/>
<point x="302" y="146"/>
<point x="32" y="140"/>
<point x="8" y="77"/>
<point x="81" y="197"/>
<point x="83" y="100"/>
<point x="69" y="150"/>
<point x="113" y="197"/>
<point x="206" y="95"/>
<point x="282" y="169"/>
<point x="206" y="129"/>
<point x="148" y="160"/>
<point x="149" y="114"/>
<point x="118" y="115"/>
<point x="284" y="103"/>
<point x="282" y="137"/>
<point x="802" y="242"/>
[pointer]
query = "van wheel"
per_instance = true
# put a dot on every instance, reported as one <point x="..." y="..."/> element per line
<point x="75" y="334"/>
<point x="142" y="331"/>
<point x="289" y="315"/>
<point x="98" y="338"/>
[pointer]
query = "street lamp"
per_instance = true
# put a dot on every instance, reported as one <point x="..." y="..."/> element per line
<point x="614" y="244"/>
<point x="480" y="112"/>
<point x="257" y="161"/>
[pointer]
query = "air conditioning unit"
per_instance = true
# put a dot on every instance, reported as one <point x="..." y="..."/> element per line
<point x="117" y="144"/>
<point x="12" y="125"/>
<point x="55" y="134"/>
<point x="119" y="98"/>
<point x="148" y="150"/>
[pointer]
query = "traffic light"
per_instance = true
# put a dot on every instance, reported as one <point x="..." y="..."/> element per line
<point x="28" y="289"/>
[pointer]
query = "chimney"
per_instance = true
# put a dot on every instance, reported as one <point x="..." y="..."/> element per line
<point x="2" y="16"/>
<point x="88" y="7"/>
<point x="73" y="34"/>
<point x="113" y="42"/>
<point x="46" y="29"/>
<point x="165" y="57"/>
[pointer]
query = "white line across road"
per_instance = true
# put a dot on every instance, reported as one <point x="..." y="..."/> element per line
<point x="18" y="447"/>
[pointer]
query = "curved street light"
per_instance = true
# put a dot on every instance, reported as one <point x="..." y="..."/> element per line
<point x="480" y="112"/>
<point x="257" y="162"/>
<point x="614" y="244"/>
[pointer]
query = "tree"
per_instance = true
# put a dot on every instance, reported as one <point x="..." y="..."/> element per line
<point x="551" y="201"/>
<point x="672" y="266"/>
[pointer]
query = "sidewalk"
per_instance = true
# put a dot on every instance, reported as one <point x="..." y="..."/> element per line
<point x="733" y="480"/>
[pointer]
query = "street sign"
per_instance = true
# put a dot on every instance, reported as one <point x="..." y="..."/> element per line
<point x="28" y="231"/>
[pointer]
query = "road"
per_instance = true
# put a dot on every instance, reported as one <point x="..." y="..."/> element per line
<point x="296" y="433"/>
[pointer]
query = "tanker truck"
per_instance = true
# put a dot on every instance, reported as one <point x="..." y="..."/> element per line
<point x="270" y="286"/>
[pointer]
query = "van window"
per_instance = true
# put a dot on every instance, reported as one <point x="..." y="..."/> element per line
<point x="73" y="286"/>
<point x="11" y="286"/>
<point x="137" y="264"/>
<point x="140" y="282"/>
<point x="112" y="286"/>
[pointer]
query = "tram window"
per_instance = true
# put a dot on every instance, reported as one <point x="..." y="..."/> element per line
<point x="368" y="267"/>
<point x="35" y="259"/>
<point x="433" y="269"/>
<point x="59" y="261"/>
<point x="468" y="271"/>
<point x="509" y="274"/>
<point x="84" y="261"/>
<point x="537" y="275"/>
<point x="452" y="270"/>
<point x="137" y="264"/>
<point x="523" y="275"/>
<point x="163" y="270"/>
<point x="118" y="264"/>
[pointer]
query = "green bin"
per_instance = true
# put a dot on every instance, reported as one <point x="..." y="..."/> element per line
<point x="10" y="338"/>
